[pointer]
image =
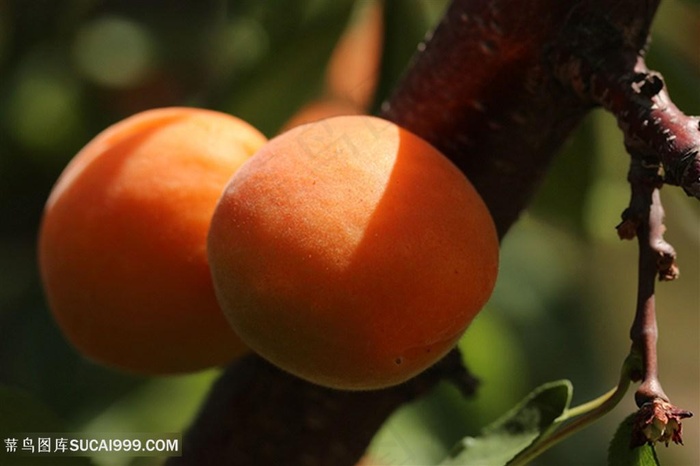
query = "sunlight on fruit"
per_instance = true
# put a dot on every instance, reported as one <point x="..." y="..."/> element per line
<point x="113" y="51"/>
<point x="314" y="182"/>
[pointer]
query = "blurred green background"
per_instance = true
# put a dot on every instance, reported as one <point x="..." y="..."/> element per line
<point x="566" y="291"/>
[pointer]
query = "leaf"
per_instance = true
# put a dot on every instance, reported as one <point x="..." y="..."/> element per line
<point x="620" y="453"/>
<point x="20" y="412"/>
<point x="501" y="441"/>
<point x="149" y="408"/>
<point x="21" y="415"/>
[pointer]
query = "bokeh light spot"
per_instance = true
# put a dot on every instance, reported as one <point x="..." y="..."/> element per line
<point x="114" y="52"/>
<point x="43" y="111"/>
<point x="238" y="45"/>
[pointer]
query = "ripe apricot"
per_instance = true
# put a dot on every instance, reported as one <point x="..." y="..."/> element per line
<point x="351" y="253"/>
<point x="122" y="246"/>
<point x="353" y="69"/>
<point x="320" y="110"/>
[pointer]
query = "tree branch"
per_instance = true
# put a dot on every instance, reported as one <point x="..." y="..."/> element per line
<point x="653" y="126"/>
<point x="480" y="90"/>
<point x="657" y="419"/>
<point x="259" y="415"/>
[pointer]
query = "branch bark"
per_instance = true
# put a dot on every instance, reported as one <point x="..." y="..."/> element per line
<point x="259" y="415"/>
<point x="498" y="87"/>
<point x="657" y="419"/>
<point x="481" y="90"/>
<point x="655" y="129"/>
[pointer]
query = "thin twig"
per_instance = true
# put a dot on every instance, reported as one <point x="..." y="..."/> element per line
<point x="664" y="145"/>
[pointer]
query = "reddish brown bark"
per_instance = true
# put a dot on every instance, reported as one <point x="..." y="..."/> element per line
<point x="258" y="415"/>
<point x="481" y="91"/>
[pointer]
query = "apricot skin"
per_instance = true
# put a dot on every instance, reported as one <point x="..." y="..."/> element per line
<point x="351" y="253"/>
<point x="122" y="245"/>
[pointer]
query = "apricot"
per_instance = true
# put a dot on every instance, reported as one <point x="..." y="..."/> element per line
<point x="122" y="245"/>
<point x="351" y="253"/>
<point x="352" y="73"/>
<point x="321" y="109"/>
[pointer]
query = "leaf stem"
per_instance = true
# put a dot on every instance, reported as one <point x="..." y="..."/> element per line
<point x="588" y="406"/>
<point x="585" y="414"/>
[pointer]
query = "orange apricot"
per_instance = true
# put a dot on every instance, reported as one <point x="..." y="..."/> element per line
<point x="351" y="253"/>
<point x="122" y="245"/>
<point x="352" y="73"/>
<point x="321" y="109"/>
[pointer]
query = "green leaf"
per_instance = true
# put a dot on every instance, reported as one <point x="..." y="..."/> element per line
<point x="501" y="441"/>
<point x="20" y="412"/>
<point x="22" y="415"/>
<point x="620" y="453"/>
